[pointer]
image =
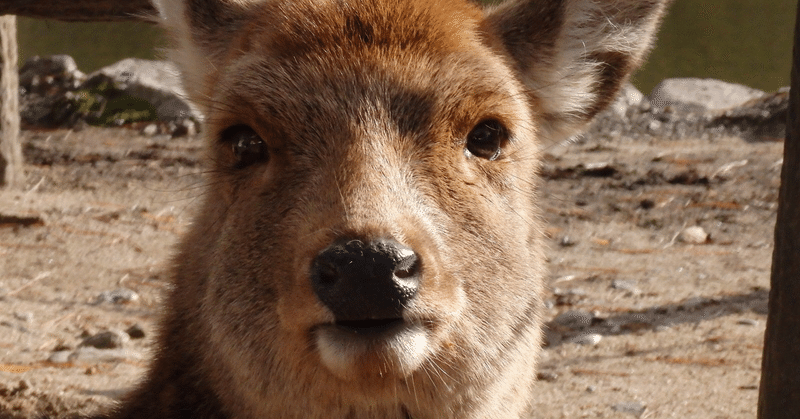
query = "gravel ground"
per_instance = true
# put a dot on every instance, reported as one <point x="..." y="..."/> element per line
<point x="659" y="271"/>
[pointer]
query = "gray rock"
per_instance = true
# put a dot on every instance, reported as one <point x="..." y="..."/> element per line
<point x="628" y="97"/>
<point x="94" y="355"/>
<point x="59" y="357"/>
<point x="574" y="319"/>
<point x="157" y="82"/>
<point x="587" y="339"/>
<point x="693" y="235"/>
<point x="693" y="303"/>
<point x="117" y="296"/>
<point x="135" y="331"/>
<point x="110" y="339"/>
<point x="693" y="94"/>
<point x="184" y="128"/>
<point x="759" y="119"/>
<point x="628" y="286"/>
<point x="150" y="130"/>
<point x="39" y="72"/>
<point x="633" y="408"/>
<point x="44" y="84"/>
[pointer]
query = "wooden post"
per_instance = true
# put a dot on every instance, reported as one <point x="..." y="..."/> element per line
<point x="779" y="393"/>
<point x="82" y="11"/>
<point x="11" y="173"/>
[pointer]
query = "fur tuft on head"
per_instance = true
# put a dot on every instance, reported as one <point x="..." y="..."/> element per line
<point x="574" y="55"/>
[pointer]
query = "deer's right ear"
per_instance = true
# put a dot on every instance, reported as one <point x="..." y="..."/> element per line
<point x="203" y="33"/>
<point x="574" y="55"/>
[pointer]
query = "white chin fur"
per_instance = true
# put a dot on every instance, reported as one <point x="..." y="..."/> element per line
<point x="349" y="355"/>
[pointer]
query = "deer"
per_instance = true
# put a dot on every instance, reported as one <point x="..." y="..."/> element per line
<point x="368" y="243"/>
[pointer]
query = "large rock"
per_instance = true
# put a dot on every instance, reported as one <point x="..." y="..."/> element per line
<point x="701" y="95"/>
<point x="628" y="97"/>
<point x="760" y="119"/>
<point x="43" y="81"/>
<point x="157" y="82"/>
<point x="41" y="73"/>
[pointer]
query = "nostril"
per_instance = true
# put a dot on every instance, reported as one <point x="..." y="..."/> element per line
<point x="408" y="268"/>
<point x="327" y="274"/>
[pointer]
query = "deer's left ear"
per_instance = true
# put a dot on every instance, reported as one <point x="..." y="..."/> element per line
<point x="574" y="55"/>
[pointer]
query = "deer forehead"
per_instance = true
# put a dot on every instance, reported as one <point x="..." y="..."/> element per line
<point x="313" y="72"/>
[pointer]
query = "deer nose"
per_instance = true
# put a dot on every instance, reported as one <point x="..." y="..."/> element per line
<point x="366" y="281"/>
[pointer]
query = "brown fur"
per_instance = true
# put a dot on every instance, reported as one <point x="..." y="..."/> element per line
<point x="365" y="107"/>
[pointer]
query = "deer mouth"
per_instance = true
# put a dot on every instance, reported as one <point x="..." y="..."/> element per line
<point x="372" y="347"/>
<point x="372" y="327"/>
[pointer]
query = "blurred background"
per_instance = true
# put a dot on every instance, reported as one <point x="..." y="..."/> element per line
<point x="739" y="41"/>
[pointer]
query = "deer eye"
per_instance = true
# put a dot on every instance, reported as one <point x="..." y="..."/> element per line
<point x="487" y="139"/>
<point x="246" y="144"/>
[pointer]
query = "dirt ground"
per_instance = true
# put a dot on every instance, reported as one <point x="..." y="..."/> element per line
<point x="655" y="327"/>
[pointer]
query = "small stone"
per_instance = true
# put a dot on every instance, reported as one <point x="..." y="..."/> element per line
<point x="184" y="128"/>
<point x="632" y="408"/>
<point x="106" y="340"/>
<point x="150" y="130"/>
<point x="747" y="322"/>
<point x="92" y="355"/>
<point x="574" y="319"/>
<point x="118" y="296"/>
<point x="591" y="389"/>
<point x="693" y="303"/>
<point x="547" y="376"/>
<point x="588" y="339"/>
<point x="135" y="331"/>
<point x="693" y="235"/>
<point x="624" y="285"/>
<point x="59" y="357"/>
<point x="567" y="241"/>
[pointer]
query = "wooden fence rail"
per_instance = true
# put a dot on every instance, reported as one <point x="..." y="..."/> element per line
<point x="79" y="10"/>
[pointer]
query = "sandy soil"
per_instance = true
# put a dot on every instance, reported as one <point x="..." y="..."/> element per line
<point x="655" y="327"/>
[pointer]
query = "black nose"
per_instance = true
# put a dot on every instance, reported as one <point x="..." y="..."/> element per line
<point x="366" y="281"/>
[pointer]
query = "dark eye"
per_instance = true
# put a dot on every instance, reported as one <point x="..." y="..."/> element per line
<point x="487" y="139"/>
<point x="247" y="145"/>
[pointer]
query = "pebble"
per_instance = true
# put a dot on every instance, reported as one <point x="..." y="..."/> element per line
<point x="693" y="235"/>
<point x="588" y="339"/>
<point x="110" y="339"/>
<point x="547" y="376"/>
<point x="184" y="128"/>
<point x="150" y="130"/>
<point x="59" y="357"/>
<point x="135" y="331"/>
<point x="93" y="355"/>
<point x="118" y="296"/>
<point x="748" y="322"/>
<point x="624" y="285"/>
<point x="567" y="241"/>
<point x="693" y="303"/>
<point x="633" y="408"/>
<point x="574" y="319"/>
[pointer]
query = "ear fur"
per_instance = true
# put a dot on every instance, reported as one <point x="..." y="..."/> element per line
<point x="203" y="32"/>
<point x="574" y="55"/>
